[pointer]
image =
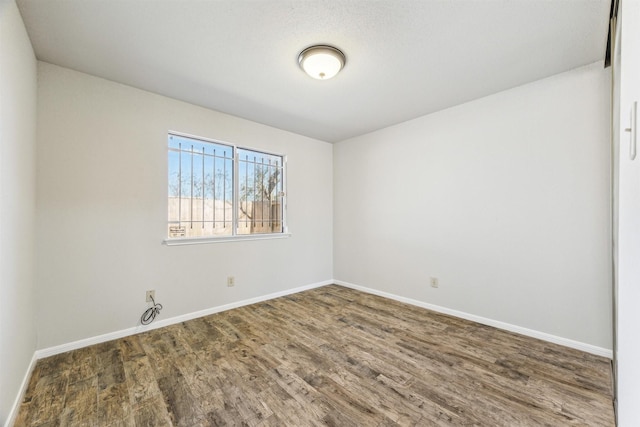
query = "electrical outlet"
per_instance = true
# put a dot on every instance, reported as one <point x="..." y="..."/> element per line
<point x="231" y="281"/>
<point x="151" y="294"/>
<point x="434" y="282"/>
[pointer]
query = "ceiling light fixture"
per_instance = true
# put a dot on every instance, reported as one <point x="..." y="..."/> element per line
<point x="321" y="62"/>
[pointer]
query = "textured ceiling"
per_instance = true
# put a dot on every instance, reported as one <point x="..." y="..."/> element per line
<point x="404" y="58"/>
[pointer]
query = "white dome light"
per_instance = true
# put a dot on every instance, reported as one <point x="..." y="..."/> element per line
<point x="321" y="62"/>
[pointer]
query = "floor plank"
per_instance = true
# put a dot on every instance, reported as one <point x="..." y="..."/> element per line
<point x="329" y="356"/>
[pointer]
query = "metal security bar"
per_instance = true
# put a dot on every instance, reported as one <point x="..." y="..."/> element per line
<point x="216" y="189"/>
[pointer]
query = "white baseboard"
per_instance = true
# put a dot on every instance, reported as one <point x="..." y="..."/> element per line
<point x="587" y="348"/>
<point x="50" y="351"/>
<point x="23" y="389"/>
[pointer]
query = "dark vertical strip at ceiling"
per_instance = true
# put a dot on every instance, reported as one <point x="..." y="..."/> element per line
<point x="613" y="17"/>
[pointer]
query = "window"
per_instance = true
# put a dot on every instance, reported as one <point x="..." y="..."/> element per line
<point x="217" y="190"/>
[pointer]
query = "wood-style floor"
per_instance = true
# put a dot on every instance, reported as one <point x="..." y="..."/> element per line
<point x="329" y="356"/>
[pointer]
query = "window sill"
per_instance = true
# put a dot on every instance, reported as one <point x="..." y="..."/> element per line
<point x="207" y="240"/>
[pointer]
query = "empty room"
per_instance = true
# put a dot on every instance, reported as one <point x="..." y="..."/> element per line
<point x="301" y="212"/>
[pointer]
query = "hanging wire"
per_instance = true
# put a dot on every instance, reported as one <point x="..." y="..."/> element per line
<point x="151" y="313"/>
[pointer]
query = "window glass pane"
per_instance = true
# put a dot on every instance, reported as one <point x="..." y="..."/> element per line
<point x="260" y="183"/>
<point x="200" y="188"/>
<point x="174" y="186"/>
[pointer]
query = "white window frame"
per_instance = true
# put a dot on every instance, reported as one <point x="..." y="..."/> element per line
<point x="234" y="237"/>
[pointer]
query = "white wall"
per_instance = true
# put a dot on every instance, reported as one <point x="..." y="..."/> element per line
<point x="102" y="210"/>
<point x="505" y="200"/>
<point x="17" y="204"/>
